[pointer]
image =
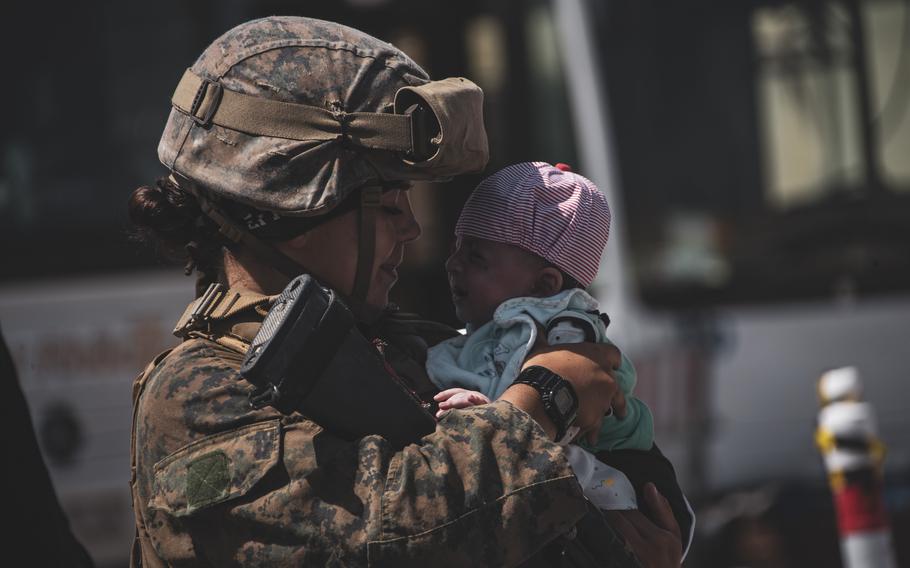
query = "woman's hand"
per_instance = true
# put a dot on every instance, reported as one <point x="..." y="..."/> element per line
<point x="458" y="398"/>
<point x="588" y="366"/>
<point x="657" y="544"/>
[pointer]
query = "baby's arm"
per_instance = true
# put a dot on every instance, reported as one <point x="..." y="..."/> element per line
<point x="458" y="398"/>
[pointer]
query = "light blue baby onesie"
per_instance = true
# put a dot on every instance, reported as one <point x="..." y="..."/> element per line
<point x="489" y="358"/>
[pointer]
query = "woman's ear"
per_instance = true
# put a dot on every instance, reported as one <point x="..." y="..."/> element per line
<point x="548" y="282"/>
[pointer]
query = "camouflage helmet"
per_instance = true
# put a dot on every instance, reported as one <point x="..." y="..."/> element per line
<point x="291" y="114"/>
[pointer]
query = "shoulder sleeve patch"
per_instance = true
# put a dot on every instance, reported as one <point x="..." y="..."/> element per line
<point x="207" y="479"/>
<point x="216" y="468"/>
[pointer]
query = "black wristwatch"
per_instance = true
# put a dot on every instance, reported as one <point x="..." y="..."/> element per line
<point x="557" y="394"/>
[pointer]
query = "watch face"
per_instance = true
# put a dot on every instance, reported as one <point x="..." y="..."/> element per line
<point x="563" y="401"/>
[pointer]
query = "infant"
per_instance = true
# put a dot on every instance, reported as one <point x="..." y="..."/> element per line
<point x="529" y="240"/>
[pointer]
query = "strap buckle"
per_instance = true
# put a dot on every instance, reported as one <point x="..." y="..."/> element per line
<point x="202" y="308"/>
<point x="267" y="396"/>
<point x="371" y="196"/>
<point x="201" y="97"/>
<point x="206" y="303"/>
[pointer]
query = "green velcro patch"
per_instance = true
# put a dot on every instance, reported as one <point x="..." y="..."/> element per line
<point x="207" y="479"/>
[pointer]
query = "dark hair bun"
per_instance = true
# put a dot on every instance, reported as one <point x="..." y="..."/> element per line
<point x="167" y="218"/>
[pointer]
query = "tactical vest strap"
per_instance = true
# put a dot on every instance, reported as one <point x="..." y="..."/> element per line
<point x="218" y="304"/>
<point x="139" y="556"/>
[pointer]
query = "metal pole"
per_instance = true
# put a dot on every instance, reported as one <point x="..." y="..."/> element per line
<point x="864" y="93"/>
<point x="847" y="437"/>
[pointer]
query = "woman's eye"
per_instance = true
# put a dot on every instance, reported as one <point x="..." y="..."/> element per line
<point x="392" y="210"/>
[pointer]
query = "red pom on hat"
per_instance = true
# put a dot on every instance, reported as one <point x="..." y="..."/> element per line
<point x="563" y="167"/>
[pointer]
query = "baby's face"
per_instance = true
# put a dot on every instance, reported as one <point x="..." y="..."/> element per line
<point x="483" y="274"/>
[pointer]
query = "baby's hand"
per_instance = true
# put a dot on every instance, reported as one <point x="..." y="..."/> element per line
<point x="458" y="398"/>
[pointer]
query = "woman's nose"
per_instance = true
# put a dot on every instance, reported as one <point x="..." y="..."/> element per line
<point x="408" y="228"/>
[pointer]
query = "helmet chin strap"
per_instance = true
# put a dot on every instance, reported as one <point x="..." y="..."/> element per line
<point x="366" y="246"/>
<point x="366" y="243"/>
<point x="239" y="235"/>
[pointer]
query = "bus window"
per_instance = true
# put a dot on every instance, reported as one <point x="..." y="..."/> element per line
<point x="808" y="101"/>
<point x="761" y="147"/>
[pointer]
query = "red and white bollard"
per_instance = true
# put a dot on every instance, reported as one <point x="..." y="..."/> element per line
<point x="847" y="437"/>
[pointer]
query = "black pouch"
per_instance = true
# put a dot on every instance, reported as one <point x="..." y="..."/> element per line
<point x="592" y="543"/>
<point x="310" y="356"/>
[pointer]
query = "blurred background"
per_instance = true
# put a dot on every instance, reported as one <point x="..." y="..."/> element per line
<point x="756" y="155"/>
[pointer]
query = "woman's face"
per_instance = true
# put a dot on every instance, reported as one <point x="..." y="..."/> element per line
<point x="329" y="251"/>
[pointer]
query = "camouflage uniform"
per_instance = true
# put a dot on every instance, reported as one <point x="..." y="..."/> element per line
<point x="217" y="482"/>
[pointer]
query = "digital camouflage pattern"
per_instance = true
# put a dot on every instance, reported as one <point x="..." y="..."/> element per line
<point x="218" y="483"/>
<point x="297" y="60"/>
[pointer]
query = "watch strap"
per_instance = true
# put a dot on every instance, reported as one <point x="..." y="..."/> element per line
<point x="546" y="382"/>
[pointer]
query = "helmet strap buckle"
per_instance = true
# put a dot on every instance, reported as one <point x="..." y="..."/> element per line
<point x="207" y="98"/>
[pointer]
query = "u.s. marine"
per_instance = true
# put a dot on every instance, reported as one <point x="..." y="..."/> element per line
<point x="290" y="146"/>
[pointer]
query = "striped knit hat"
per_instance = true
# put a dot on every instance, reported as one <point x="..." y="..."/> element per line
<point x="549" y="211"/>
